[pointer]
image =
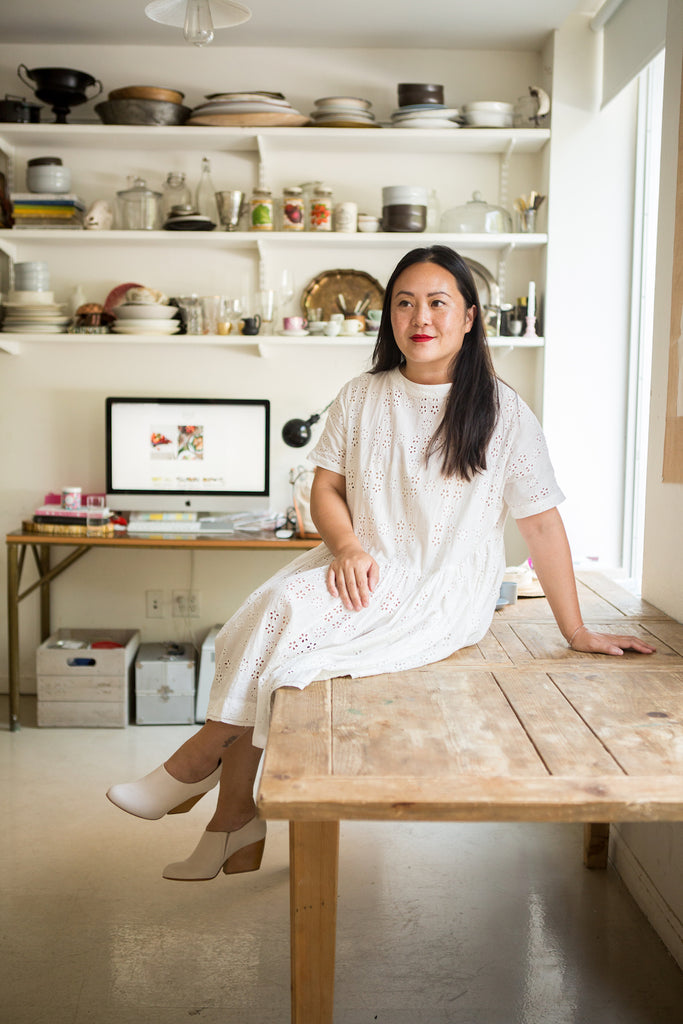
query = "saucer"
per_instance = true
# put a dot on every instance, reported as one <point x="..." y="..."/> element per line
<point x="294" y="334"/>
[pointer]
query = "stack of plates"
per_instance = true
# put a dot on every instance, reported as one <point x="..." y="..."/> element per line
<point x="488" y="114"/>
<point x="245" y="109"/>
<point x="343" y="112"/>
<point x="34" y="318"/>
<point x="145" y="318"/>
<point x="425" y="115"/>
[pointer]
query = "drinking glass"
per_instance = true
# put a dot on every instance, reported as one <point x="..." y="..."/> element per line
<point x="94" y="515"/>
<point x="265" y="306"/>
<point x="191" y="306"/>
<point x="211" y="305"/>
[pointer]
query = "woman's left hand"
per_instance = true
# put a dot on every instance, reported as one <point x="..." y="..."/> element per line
<point x="608" y="643"/>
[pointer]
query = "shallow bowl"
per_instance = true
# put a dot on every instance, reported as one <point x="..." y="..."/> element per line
<point x="144" y="311"/>
<point x="141" y="112"/>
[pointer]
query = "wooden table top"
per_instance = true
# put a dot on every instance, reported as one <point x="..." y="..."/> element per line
<point x="516" y="728"/>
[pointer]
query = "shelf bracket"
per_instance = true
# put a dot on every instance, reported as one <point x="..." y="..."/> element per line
<point x="261" y="145"/>
<point x="502" y="266"/>
<point x="504" y="173"/>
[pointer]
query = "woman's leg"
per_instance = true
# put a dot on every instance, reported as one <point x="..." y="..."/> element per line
<point x="199" y="755"/>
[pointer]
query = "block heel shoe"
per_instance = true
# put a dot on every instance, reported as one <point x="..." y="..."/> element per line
<point x="234" y="852"/>
<point x="159" y="793"/>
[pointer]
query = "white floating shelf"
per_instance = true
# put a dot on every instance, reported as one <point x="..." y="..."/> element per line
<point x="263" y="343"/>
<point x="275" y="239"/>
<point x="332" y="140"/>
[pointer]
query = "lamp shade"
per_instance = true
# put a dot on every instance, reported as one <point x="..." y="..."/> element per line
<point x="224" y="13"/>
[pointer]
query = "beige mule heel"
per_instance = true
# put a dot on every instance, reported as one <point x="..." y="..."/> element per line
<point x="234" y="852"/>
<point x="159" y="793"/>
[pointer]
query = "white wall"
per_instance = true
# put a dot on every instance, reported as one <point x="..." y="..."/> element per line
<point x="650" y="857"/>
<point x="589" y="270"/>
<point x="52" y="396"/>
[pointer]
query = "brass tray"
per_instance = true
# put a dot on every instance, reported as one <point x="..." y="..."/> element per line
<point x="354" y="285"/>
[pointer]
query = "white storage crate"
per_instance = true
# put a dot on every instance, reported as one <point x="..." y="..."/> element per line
<point x="207" y="669"/>
<point x="84" y="685"/>
<point x="165" y="684"/>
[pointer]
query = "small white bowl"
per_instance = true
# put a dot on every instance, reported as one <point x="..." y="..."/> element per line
<point x="490" y="106"/>
<point x="367" y="223"/>
<point x="144" y="311"/>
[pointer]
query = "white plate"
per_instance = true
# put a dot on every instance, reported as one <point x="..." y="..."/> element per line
<point x="490" y="107"/>
<point x="342" y="115"/>
<point x="34" y="329"/>
<point x="147" y="327"/>
<point x="330" y="102"/>
<point x="240" y="107"/>
<point x="403" y="113"/>
<point x="425" y="122"/>
<point x="34" y="307"/>
<point x="484" y="119"/>
<point x="294" y="334"/>
<point x="144" y="311"/>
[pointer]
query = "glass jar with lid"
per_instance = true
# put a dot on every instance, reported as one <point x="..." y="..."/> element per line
<point x="321" y="209"/>
<point x="138" y="207"/>
<point x="175" y="192"/>
<point x="477" y="217"/>
<point x="292" y="208"/>
<point x="261" y="210"/>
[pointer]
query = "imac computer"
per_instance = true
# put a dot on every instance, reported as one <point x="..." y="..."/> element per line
<point x="192" y="455"/>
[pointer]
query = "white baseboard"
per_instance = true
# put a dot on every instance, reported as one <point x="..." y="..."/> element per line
<point x="663" y="919"/>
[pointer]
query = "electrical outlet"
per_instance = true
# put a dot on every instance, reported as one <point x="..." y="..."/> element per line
<point x="154" y="604"/>
<point x="186" y="604"/>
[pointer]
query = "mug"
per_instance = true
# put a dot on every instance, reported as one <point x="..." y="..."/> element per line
<point x="250" y="324"/>
<point x="295" y="323"/>
<point x="351" y="326"/>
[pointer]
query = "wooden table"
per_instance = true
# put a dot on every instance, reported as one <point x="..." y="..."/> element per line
<point x="516" y="728"/>
<point x="42" y="545"/>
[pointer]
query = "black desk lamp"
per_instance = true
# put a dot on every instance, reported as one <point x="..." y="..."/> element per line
<point x="297" y="433"/>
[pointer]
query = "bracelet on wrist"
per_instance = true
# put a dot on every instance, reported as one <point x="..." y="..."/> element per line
<point x="571" y="638"/>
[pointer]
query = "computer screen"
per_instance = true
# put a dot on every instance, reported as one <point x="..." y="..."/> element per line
<point x="188" y="454"/>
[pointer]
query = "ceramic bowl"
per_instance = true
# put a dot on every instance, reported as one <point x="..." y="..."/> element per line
<point x="410" y="93"/>
<point x="367" y="223"/>
<point x="144" y="311"/>
<point x="141" y="112"/>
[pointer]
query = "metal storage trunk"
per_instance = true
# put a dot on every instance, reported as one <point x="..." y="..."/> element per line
<point x="165" y="684"/>
<point x="84" y="685"/>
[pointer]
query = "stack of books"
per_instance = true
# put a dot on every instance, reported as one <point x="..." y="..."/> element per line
<point x="47" y="210"/>
<point x="71" y="522"/>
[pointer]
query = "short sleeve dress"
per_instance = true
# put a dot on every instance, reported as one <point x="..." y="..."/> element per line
<point x="438" y="542"/>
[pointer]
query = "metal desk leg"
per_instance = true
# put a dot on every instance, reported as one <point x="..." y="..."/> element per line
<point x="313" y="867"/>
<point x="13" y="633"/>
<point x="44" y="564"/>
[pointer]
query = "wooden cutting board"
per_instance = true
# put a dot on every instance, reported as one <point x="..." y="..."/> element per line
<point x="256" y="120"/>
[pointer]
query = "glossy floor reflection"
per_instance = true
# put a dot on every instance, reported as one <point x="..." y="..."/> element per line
<point x="438" y="924"/>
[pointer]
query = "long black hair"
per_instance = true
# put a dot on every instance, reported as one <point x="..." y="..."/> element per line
<point x="472" y="407"/>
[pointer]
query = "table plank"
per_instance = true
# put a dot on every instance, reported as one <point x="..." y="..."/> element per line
<point x="426" y="723"/>
<point x="622" y="600"/>
<point x="539" y="644"/>
<point x="561" y="737"/>
<point x="474" y="798"/>
<point x="636" y="714"/>
<point x="300" y="734"/>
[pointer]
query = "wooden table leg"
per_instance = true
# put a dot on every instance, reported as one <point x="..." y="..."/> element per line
<point x="595" y="844"/>
<point x="313" y="869"/>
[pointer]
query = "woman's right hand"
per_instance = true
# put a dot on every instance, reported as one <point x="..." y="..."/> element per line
<point x="352" y="577"/>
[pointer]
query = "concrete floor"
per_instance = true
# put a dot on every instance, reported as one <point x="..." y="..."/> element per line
<point x="441" y="924"/>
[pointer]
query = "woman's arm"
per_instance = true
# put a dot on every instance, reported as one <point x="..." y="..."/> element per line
<point x="549" y="549"/>
<point x="353" y="574"/>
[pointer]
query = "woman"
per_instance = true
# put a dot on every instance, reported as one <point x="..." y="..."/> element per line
<point x="418" y="466"/>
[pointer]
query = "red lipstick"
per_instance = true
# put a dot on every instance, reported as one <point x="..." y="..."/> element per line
<point x="421" y="337"/>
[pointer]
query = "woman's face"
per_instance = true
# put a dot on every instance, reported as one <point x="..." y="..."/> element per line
<point x="430" y="320"/>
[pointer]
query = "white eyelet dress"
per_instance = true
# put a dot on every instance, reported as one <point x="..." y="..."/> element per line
<point x="438" y="542"/>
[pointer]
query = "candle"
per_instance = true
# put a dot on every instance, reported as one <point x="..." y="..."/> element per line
<point x="531" y="301"/>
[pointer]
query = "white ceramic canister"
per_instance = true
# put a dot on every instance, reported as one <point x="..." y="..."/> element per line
<point x="46" y="174"/>
<point x="346" y="218"/>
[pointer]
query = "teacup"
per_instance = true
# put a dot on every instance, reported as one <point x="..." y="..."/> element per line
<point x="294" y="323"/>
<point x="375" y="315"/>
<point x="332" y="329"/>
<point x="351" y="327"/>
<point x="250" y="324"/>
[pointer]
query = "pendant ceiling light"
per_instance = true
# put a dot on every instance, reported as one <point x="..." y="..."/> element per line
<point x="198" y="18"/>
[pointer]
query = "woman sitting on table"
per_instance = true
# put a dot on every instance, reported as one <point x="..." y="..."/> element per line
<point x="420" y="461"/>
